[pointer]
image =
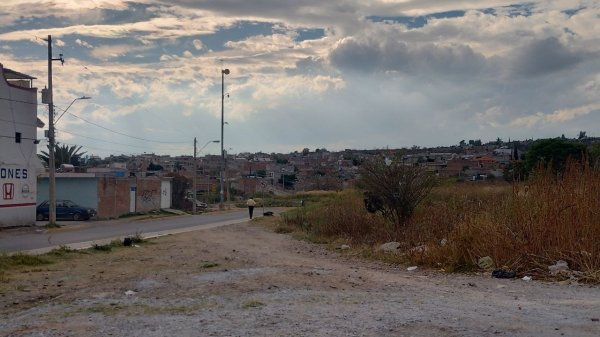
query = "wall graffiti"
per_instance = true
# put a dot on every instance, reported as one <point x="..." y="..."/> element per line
<point x="147" y="196"/>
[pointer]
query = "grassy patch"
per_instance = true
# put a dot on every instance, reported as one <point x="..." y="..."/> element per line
<point x="62" y="251"/>
<point x="209" y="265"/>
<point x="21" y="259"/>
<point x="107" y="247"/>
<point x="252" y="304"/>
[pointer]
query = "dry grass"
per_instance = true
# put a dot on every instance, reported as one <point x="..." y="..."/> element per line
<point x="524" y="227"/>
<point x="341" y="215"/>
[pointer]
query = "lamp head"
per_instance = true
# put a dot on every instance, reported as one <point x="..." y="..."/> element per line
<point x="225" y="71"/>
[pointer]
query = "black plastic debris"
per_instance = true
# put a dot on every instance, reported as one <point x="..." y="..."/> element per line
<point x="501" y="273"/>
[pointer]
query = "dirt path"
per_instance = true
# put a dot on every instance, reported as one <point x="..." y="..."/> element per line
<point x="242" y="280"/>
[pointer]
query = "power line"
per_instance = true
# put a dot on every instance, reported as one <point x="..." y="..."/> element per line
<point x="128" y="98"/>
<point x="92" y="72"/>
<point x="101" y="140"/>
<point x="98" y="148"/>
<point x="13" y="137"/>
<point x="21" y="123"/>
<point x="123" y="134"/>
<point x="18" y="101"/>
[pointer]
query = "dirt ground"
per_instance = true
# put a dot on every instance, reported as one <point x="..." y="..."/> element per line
<point x="244" y="280"/>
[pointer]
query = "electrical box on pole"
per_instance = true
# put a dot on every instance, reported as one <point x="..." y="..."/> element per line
<point x="45" y="96"/>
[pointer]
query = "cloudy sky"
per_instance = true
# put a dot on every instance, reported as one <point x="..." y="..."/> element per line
<point x="359" y="74"/>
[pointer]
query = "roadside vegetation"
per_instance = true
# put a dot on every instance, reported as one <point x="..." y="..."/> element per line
<point x="522" y="227"/>
<point x="25" y="263"/>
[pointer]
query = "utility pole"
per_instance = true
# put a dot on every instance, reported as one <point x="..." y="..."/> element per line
<point x="227" y="182"/>
<point x="221" y="192"/>
<point x="51" y="138"/>
<point x="195" y="174"/>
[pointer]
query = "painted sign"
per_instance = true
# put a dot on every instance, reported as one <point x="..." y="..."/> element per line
<point x="15" y="187"/>
<point x="13" y="173"/>
<point x="8" y="191"/>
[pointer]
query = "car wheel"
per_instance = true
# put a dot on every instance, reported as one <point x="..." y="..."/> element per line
<point x="76" y="217"/>
<point x="40" y="217"/>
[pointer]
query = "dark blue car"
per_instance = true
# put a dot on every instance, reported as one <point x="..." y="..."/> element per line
<point x="65" y="210"/>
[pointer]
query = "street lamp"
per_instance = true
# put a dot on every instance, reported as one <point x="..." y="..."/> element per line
<point x="64" y="111"/>
<point x="223" y="73"/>
<point x="51" y="161"/>
<point x="196" y="170"/>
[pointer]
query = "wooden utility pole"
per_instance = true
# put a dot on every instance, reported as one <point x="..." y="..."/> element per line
<point x="195" y="174"/>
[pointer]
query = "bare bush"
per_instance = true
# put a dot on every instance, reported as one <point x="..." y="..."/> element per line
<point x="394" y="189"/>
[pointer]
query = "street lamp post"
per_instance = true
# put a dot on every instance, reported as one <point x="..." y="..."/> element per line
<point x="221" y="192"/>
<point x="65" y="110"/>
<point x="196" y="171"/>
<point x="51" y="157"/>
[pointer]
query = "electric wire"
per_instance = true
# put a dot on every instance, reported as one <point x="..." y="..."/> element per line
<point x="21" y="123"/>
<point x="98" y="148"/>
<point x="101" y="140"/>
<point x="121" y="133"/>
<point x="98" y="125"/>
<point x="19" y="101"/>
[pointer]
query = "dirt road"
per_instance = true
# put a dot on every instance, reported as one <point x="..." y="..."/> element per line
<point x="243" y="280"/>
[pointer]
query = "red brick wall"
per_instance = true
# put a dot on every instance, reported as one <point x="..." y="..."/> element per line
<point x="113" y="197"/>
<point x="148" y="194"/>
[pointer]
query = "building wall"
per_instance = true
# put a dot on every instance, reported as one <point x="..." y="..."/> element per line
<point x="18" y="161"/>
<point x="148" y="194"/>
<point x="113" y="196"/>
<point x="80" y="190"/>
<point x="110" y="196"/>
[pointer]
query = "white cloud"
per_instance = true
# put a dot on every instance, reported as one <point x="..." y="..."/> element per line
<point x="556" y="117"/>
<point x="113" y="51"/>
<point x="198" y="44"/>
<point x="83" y="43"/>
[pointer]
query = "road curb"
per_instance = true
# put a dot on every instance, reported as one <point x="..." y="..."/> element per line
<point x="150" y="235"/>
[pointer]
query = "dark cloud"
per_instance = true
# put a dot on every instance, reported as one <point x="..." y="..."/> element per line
<point x="544" y="57"/>
<point x="308" y="66"/>
<point x="393" y="55"/>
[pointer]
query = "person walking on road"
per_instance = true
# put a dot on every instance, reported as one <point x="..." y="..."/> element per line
<point x="251" y="203"/>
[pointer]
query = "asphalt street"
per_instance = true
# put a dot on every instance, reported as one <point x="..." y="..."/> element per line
<point x="84" y="234"/>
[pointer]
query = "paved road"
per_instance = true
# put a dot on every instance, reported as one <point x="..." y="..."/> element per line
<point x="84" y="234"/>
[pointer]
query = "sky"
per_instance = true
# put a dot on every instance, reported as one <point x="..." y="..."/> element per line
<point x="345" y="74"/>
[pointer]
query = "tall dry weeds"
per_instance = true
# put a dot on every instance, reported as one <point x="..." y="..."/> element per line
<point x="548" y="218"/>
<point x="525" y="227"/>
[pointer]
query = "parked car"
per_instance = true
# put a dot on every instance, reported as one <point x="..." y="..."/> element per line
<point x="65" y="210"/>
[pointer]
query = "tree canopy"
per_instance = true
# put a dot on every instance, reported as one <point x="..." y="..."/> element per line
<point x="63" y="154"/>
<point x="554" y="152"/>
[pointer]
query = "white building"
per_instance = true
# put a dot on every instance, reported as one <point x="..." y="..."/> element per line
<point x="18" y="159"/>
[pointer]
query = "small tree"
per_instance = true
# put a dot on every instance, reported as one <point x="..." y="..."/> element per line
<point x="394" y="189"/>
<point x="63" y="154"/>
